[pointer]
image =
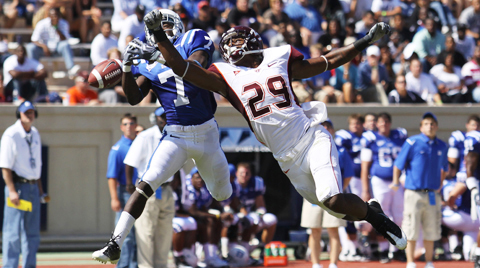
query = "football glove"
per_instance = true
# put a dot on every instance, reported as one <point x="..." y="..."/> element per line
<point x="153" y="20"/>
<point x="138" y="50"/>
<point x="378" y="31"/>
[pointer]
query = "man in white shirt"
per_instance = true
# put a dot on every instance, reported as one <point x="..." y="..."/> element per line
<point x="471" y="74"/>
<point x="153" y="229"/>
<point x="21" y="164"/>
<point x="50" y="37"/>
<point x="132" y="26"/>
<point x="102" y="43"/>
<point x="421" y="83"/>
<point x="24" y="75"/>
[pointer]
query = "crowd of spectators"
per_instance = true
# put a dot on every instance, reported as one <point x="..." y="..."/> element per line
<point x="430" y="56"/>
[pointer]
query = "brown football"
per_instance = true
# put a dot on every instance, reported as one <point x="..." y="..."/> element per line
<point x="106" y="74"/>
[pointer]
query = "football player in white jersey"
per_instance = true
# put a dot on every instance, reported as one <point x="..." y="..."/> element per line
<point x="257" y="81"/>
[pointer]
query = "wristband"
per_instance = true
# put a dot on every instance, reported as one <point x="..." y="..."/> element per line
<point x="363" y="43"/>
<point x="261" y="211"/>
<point x="126" y="68"/>
<point x="160" y="35"/>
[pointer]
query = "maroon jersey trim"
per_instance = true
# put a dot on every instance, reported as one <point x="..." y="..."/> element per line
<point x="294" y="56"/>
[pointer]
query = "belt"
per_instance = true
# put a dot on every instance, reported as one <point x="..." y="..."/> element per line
<point x="19" y="179"/>
<point x="204" y="126"/>
<point x="423" y="190"/>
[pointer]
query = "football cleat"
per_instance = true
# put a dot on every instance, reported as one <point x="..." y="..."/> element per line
<point x="109" y="253"/>
<point x="216" y="262"/>
<point x="180" y="262"/>
<point x="387" y="228"/>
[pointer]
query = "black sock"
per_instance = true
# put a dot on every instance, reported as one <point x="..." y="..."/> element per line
<point x="373" y="216"/>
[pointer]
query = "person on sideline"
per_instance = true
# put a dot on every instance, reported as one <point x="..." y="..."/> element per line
<point x="117" y="184"/>
<point x="153" y="232"/>
<point x="424" y="158"/>
<point x="21" y="163"/>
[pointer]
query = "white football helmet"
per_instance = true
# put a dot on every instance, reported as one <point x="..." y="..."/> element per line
<point x="238" y="256"/>
<point x="168" y="16"/>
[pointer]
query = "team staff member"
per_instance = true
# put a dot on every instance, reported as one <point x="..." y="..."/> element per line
<point x="424" y="157"/>
<point x="153" y="232"/>
<point x="117" y="185"/>
<point x="21" y="163"/>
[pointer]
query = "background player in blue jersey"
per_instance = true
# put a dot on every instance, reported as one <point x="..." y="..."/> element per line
<point x="472" y="157"/>
<point x="206" y="213"/>
<point x="191" y="130"/>
<point x="380" y="149"/>
<point x="456" y="142"/>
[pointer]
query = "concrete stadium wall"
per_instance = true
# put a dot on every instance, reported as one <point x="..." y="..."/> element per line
<point x="79" y="140"/>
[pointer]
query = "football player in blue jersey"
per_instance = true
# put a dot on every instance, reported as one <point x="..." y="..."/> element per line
<point x="251" y="190"/>
<point x="456" y="144"/>
<point x="380" y="149"/>
<point x="472" y="157"/>
<point x="456" y="214"/>
<point x="191" y="130"/>
<point x="207" y="213"/>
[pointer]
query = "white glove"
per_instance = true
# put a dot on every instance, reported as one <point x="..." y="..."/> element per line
<point x="153" y="20"/>
<point x="378" y="31"/>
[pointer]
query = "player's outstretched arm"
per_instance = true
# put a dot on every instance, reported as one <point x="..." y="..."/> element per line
<point x="191" y="72"/>
<point x="311" y="67"/>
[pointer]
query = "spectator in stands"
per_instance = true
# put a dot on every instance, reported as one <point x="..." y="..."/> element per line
<point x="424" y="158"/>
<point x="205" y="19"/>
<point x="471" y="17"/>
<point x="182" y="13"/>
<point x="396" y="50"/>
<point x="449" y="81"/>
<point x="450" y="48"/>
<point x="334" y="30"/>
<point x="428" y="43"/>
<point x="275" y="15"/>
<point x="373" y="77"/>
<point x="86" y="16"/>
<point x="363" y="26"/>
<point x="19" y="8"/>
<point x="346" y="79"/>
<point x="24" y="76"/>
<point x="241" y="14"/>
<point x="384" y="9"/>
<point x="401" y="95"/>
<point x="399" y="24"/>
<point x="465" y="44"/>
<point x="103" y="42"/>
<point x="358" y="8"/>
<point x="132" y="25"/>
<point x="2" y="90"/>
<point x="154" y="4"/>
<point x="51" y="97"/>
<point x="121" y="10"/>
<point x="51" y="37"/>
<point x="387" y="60"/>
<point x="308" y="18"/>
<point x="4" y="54"/>
<point x="81" y="93"/>
<point x="421" y="83"/>
<point x="471" y="75"/>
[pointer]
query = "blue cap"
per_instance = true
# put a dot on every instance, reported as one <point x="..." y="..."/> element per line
<point x="232" y="169"/>
<point x="159" y="111"/>
<point x="54" y="97"/>
<point x="25" y="106"/>
<point x="430" y="115"/>
<point x="193" y="171"/>
<point x="329" y="121"/>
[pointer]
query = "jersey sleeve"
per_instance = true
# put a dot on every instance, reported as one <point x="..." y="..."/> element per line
<point x="368" y="138"/>
<point x="112" y="169"/>
<point x="403" y="156"/>
<point x="346" y="164"/>
<point x="472" y="144"/>
<point x="195" y="40"/>
<point x="343" y="139"/>
<point x="294" y="55"/>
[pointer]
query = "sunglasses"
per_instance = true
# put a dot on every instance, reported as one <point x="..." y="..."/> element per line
<point x="129" y="124"/>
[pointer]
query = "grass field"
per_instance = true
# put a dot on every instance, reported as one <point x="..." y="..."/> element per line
<point x="83" y="260"/>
